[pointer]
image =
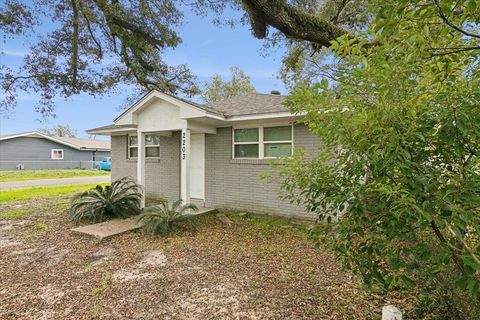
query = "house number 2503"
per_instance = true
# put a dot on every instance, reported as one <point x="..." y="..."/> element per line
<point x="184" y="145"/>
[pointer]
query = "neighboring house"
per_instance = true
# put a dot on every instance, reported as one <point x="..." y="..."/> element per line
<point x="211" y="155"/>
<point x="34" y="150"/>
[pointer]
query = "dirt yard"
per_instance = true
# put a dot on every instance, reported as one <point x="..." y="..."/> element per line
<point x="258" y="268"/>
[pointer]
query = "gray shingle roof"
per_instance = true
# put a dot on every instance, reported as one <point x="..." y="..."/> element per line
<point x="253" y="103"/>
<point x="76" y="142"/>
<point x="86" y="143"/>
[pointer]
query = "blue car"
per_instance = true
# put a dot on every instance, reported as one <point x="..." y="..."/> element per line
<point x="105" y="164"/>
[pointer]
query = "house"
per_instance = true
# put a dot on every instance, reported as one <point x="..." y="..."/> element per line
<point x="210" y="155"/>
<point x="35" y="150"/>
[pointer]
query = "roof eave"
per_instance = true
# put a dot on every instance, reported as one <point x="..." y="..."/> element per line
<point x="167" y="97"/>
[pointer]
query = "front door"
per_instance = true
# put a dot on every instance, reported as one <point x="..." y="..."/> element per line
<point x="197" y="166"/>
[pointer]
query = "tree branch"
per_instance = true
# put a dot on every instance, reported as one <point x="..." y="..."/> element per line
<point x="447" y="51"/>
<point x="74" y="59"/>
<point x="92" y="35"/>
<point x="442" y="240"/>
<point x="451" y="24"/>
<point x="294" y="23"/>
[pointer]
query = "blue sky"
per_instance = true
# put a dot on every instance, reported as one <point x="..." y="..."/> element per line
<point x="206" y="49"/>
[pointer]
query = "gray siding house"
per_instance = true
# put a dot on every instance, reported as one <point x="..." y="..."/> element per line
<point x="34" y="150"/>
<point x="211" y="155"/>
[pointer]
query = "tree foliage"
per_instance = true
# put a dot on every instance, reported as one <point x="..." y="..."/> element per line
<point x="400" y="128"/>
<point x="94" y="46"/>
<point x="60" y="131"/>
<point x="97" y="46"/>
<point x="218" y="89"/>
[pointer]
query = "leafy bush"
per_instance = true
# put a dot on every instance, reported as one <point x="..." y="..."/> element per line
<point x="121" y="199"/>
<point x="399" y="160"/>
<point x="163" y="218"/>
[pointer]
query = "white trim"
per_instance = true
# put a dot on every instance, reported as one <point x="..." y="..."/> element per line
<point x="129" y="146"/>
<point x="168" y="98"/>
<point x="180" y="103"/>
<point x="264" y="116"/>
<point x="261" y="143"/>
<point x="141" y="165"/>
<point x="110" y="131"/>
<point x="152" y="145"/>
<point x="53" y="151"/>
<point x="185" y="165"/>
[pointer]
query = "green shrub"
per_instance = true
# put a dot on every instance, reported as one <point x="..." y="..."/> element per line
<point x="163" y="218"/>
<point x="121" y="199"/>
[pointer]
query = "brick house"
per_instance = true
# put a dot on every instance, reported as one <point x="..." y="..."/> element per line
<point x="211" y="155"/>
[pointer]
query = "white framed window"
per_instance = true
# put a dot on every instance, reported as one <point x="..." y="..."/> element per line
<point x="57" y="154"/>
<point x="152" y="146"/>
<point x="132" y="146"/>
<point x="277" y="141"/>
<point x="263" y="142"/>
<point x="246" y="143"/>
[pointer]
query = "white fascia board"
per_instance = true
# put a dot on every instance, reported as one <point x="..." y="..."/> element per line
<point x="108" y="132"/>
<point x="264" y="116"/>
<point x="197" y="112"/>
<point x="260" y="116"/>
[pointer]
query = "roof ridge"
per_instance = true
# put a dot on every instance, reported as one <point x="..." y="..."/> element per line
<point x="270" y="94"/>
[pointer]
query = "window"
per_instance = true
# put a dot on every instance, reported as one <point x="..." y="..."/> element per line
<point x="132" y="146"/>
<point x="277" y="141"/>
<point x="246" y="143"/>
<point x="263" y="142"/>
<point x="57" y="154"/>
<point x="152" y="146"/>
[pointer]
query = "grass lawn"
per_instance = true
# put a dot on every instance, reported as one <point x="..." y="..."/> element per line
<point x="42" y="192"/>
<point x="256" y="268"/>
<point x="21" y="175"/>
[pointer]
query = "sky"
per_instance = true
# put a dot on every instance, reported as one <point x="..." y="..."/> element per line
<point x="206" y="48"/>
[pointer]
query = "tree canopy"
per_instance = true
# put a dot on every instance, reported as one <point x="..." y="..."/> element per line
<point x="97" y="46"/>
<point x="218" y="89"/>
<point x="400" y="126"/>
<point x="60" y="131"/>
<point x="94" y="47"/>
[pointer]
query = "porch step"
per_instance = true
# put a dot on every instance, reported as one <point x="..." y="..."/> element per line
<point x="109" y="228"/>
<point x="204" y="210"/>
<point x="200" y="203"/>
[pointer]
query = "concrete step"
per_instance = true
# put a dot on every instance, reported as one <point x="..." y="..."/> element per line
<point x="109" y="228"/>
<point x="200" y="203"/>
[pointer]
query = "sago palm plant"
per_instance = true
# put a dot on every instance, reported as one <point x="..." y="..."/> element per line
<point x="121" y="199"/>
<point x="164" y="218"/>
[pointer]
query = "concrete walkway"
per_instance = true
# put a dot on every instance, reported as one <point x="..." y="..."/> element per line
<point x="107" y="229"/>
<point x="52" y="182"/>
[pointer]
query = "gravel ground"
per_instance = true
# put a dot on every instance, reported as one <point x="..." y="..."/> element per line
<point x="258" y="268"/>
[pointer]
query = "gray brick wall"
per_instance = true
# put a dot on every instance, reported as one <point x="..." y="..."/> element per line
<point x="162" y="176"/>
<point x="228" y="183"/>
<point x="237" y="184"/>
